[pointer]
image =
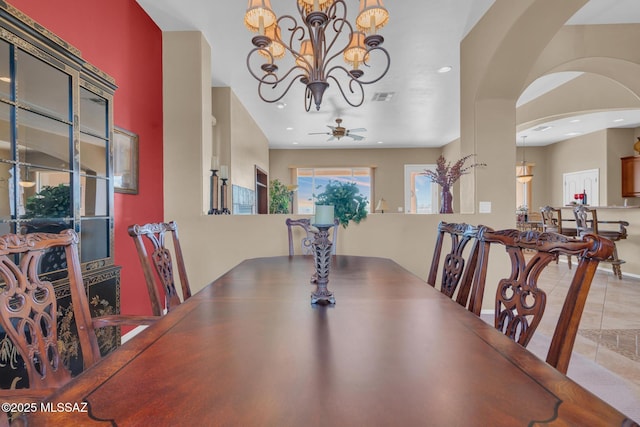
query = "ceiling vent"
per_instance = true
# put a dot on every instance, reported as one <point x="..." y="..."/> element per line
<point x="383" y="96"/>
<point x="542" y="128"/>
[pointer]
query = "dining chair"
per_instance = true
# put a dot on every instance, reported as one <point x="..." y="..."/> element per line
<point x="587" y="222"/>
<point x="307" y="235"/>
<point x="459" y="266"/>
<point x="520" y="302"/>
<point x="162" y="260"/>
<point x="29" y="312"/>
<point x="552" y="223"/>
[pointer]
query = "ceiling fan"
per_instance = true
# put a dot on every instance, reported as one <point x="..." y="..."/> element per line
<point x="338" y="132"/>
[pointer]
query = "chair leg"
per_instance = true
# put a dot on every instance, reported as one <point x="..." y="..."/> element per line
<point x="615" y="262"/>
<point x="569" y="261"/>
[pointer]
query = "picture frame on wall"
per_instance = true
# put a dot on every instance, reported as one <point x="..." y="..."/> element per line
<point x="125" y="161"/>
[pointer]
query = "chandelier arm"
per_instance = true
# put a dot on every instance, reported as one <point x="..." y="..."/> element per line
<point x="338" y="25"/>
<point x="295" y="28"/>
<point x="383" y="50"/>
<point x="344" y="95"/>
<point x="262" y="83"/>
<point x="265" y="78"/>
<point x="328" y="60"/>
<point x="308" y="99"/>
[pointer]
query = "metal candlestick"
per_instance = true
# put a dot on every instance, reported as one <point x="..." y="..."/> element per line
<point x="223" y="198"/>
<point x="213" y="193"/>
<point x="322" y="258"/>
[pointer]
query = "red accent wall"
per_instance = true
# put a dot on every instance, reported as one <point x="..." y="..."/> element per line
<point x="118" y="37"/>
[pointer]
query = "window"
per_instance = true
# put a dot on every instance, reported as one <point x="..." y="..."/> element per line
<point x="311" y="182"/>
<point x="420" y="194"/>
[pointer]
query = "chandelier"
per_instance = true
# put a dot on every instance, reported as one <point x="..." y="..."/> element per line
<point x="314" y="46"/>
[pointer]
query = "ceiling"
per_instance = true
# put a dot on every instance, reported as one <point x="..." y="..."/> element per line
<point x="424" y="110"/>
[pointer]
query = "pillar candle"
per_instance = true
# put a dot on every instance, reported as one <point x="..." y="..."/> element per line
<point x="324" y="214"/>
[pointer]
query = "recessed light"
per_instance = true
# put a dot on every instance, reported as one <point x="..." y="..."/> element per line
<point x="574" y="121"/>
<point x="380" y="142"/>
<point x="618" y="120"/>
<point x="289" y="128"/>
<point x="573" y="133"/>
<point x="281" y="105"/>
<point x="445" y="69"/>
<point x="295" y="143"/>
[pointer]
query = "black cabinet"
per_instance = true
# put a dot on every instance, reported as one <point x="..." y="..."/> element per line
<point x="56" y="131"/>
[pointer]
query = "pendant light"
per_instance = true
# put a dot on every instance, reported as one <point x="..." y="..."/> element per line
<point x="524" y="177"/>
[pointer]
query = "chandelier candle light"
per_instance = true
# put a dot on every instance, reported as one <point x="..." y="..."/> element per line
<point x="323" y="35"/>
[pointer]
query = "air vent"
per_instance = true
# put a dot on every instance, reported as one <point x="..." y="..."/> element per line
<point x="382" y="96"/>
<point x="542" y="128"/>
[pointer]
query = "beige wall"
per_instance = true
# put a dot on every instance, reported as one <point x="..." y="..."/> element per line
<point x="388" y="163"/>
<point x="186" y="67"/>
<point x="249" y="146"/>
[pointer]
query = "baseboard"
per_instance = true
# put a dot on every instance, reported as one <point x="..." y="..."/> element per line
<point x="132" y="333"/>
<point x="602" y="267"/>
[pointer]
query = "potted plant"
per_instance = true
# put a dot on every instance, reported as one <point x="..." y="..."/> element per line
<point x="446" y="175"/>
<point x="279" y="197"/>
<point x="349" y="204"/>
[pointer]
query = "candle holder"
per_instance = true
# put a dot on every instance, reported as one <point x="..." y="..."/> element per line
<point x="223" y="198"/>
<point x="213" y="193"/>
<point x="322" y="259"/>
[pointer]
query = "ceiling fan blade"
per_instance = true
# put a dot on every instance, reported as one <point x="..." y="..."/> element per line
<point x="332" y="138"/>
<point x="358" y="130"/>
<point x="356" y="137"/>
<point x="319" y="133"/>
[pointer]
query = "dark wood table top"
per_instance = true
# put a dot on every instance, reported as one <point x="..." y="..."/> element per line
<point x="250" y="350"/>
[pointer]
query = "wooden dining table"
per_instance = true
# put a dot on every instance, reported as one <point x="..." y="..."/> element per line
<point x="250" y="350"/>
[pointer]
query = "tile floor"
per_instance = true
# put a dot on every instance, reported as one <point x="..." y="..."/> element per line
<point x="609" y="333"/>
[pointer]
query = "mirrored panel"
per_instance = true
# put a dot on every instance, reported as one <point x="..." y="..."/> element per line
<point x="5" y="70"/>
<point x="94" y="196"/>
<point x="5" y="132"/>
<point x="95" y="239"/>
<point x="42" y="86"/>
<point x="6" y="187"/>
<point x="43" y="141"/>
<point x="46" y="196"/>
<point x="93" y="155"/>
<point x="93" y="113"/>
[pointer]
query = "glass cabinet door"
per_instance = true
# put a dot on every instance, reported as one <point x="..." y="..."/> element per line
<point x="55" y="125"/>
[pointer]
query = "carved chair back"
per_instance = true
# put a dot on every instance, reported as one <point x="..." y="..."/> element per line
<point x="307" y="235"/>
<point x="28" y="307"/>
<point x="587" y="222"/>
<point x="520" y="303"/>
<point x="161" y="276"/>
<point x="459" y="266"/>
<point x="586" y="219"/>
<point x="552" y="223"/>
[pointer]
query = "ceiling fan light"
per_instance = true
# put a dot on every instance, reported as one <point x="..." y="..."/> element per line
<point x="259" y="16"/>
<point x="373" y="16"/>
